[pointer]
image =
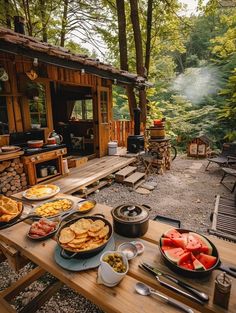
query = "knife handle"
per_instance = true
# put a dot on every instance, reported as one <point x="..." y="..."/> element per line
<point x="183" y="293"/>
<point x="179" y="305"/>
<point x="201" y="295"/>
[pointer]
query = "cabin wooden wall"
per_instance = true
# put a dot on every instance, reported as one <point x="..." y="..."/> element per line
<point x="17" y="101"/>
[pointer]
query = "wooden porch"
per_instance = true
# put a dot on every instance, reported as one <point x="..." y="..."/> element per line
<point x="93" y="171"/>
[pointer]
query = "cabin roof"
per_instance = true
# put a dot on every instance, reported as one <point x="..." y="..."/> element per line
<point x="18" y="44"/>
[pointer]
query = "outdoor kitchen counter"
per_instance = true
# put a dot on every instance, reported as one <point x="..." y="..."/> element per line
<point x="123" y="297"/>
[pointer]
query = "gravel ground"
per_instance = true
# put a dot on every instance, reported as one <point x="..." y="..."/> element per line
<point x="186" y="193"/>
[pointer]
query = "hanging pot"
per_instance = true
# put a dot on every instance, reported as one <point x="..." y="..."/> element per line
<point x="131" y="220"/>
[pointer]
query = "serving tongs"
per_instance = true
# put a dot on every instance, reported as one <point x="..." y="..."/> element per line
<point x="192" y="294"/>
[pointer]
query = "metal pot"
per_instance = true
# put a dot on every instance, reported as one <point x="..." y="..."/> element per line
<point x="35" y="143"/>
<point x="131" y="220"/>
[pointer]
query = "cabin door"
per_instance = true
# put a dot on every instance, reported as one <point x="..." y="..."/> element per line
<point x="104" y="119"/>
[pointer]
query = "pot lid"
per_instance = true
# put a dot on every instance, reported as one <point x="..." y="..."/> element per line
<point x="130" y="213"/>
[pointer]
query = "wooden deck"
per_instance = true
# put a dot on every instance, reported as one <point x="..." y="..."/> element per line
<point x="91" y="172"/>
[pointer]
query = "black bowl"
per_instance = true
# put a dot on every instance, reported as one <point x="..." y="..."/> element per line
<point x="190" y="273"/>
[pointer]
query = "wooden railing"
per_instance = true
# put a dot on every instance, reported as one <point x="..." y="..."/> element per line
<point x="120" y="130"/>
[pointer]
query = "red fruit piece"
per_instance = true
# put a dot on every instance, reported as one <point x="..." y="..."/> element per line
<point x="172" y="233"/>
<point x="174" y="254"/>
<point x="208" y="261"/>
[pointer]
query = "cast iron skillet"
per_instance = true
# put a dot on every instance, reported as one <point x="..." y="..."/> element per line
<point x="12" y="221"/>
<point x="69" y="254"/>
<point x="194" y="273"/>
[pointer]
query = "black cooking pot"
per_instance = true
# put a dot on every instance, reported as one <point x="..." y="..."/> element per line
<point x="67" y="253"/>
<point x="196" y="273"/>
<point x="131" y="220"/>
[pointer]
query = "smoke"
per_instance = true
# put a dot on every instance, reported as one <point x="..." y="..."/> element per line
<point x="197" y="83"/>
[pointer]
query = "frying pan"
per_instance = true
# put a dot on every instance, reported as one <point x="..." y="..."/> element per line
<point x="69" y="254"/>
<point x="196" y="273"/>
<point x="12" y="221"/>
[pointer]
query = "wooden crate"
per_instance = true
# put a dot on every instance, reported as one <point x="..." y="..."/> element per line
<point x="77" y="162"/>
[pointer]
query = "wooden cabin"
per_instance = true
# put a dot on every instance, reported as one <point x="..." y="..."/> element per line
<point x="51" y="88"/>
<point x="45" y="88"/>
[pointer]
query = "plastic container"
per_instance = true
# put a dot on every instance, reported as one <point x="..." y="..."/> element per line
<point x="65" y="166"/>
<point x="112" y="147"/>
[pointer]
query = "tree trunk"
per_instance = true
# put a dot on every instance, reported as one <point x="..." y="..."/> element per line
<point x="43" y="18"/>
<point x="64" y="24"/>
<point x="8" y="18"/>
<point x="139" y="54"/>
<point x="148" y="39"/>
<point x="124" y="52"/>
<point x="28" y="17"/>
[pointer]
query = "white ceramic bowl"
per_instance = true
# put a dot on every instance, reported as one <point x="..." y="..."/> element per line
<point x="108" y="275"/>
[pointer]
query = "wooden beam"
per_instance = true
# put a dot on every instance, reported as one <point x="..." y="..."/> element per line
<point x="9" y="293"/>
<point x="40" y="299"/>
<point x="6" y="307"/>
<point x="65" y="63"/>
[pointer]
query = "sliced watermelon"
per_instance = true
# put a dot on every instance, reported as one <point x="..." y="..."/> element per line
<point x="187" y="265"/>
<point x="207" y="260"/>
<point x="180" y="242"/>
<point x="193" y="244"/>
<point x="174" y="254"/>
<point x="185" y="258"/>
<point x="196" y="264"/>
<point x="166" y="242"/>
<point x="172" y="233"/>
<point x="205" y="244"/>
<point x="164" y="248"/>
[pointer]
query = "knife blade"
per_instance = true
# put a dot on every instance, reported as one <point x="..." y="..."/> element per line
<point x="177" y="290"/>
<point x="199" y="294"/>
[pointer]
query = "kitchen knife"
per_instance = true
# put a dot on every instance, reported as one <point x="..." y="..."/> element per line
<point x="177" y="290"/>
<point x="197" y="293"/>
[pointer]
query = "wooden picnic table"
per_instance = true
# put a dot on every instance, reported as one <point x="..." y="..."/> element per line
<point x="123" y="297"/>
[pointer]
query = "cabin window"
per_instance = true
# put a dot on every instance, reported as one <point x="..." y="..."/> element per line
<point x="104" y="106"/>
<point x="4" y="129"/>
<point x="82" y="109"/>
<point x="37" y="106"/>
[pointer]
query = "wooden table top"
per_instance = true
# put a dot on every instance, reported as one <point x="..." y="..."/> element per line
<point x="123" y="297"/>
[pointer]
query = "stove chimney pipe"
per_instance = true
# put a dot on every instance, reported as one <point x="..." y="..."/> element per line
<point x="19" y="25"/>
<point x="137" y="113"/>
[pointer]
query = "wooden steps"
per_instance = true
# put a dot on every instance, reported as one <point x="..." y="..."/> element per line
<point x="135" y="179"/>
<point x="124" y="173"/>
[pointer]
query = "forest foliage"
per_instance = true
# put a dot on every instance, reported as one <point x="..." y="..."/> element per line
<point x="192" y="58"/>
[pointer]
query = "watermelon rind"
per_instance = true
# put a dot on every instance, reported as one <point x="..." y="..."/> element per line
<point x="205" y="241"/>
<point x="174" y="254"/>
<point x="198" y="266"/>
<point x="172" y="233"/>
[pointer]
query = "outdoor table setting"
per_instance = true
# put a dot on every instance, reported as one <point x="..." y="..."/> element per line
<point x="153" y="267"/>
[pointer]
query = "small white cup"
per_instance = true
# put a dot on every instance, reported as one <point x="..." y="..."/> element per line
<point x="108" y="275"/>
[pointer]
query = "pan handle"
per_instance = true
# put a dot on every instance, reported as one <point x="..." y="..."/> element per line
<point x="66" y="256"/>
<point x="99" y="214"/>
<point x="147" y="207"/>
<point x="21" y="220"/>
<point x="227" y="269"/>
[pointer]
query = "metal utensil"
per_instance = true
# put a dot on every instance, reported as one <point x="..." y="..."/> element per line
<point x="197" y="293"/>
<point x="177" y="290"/>
<point x="145" y="290"/>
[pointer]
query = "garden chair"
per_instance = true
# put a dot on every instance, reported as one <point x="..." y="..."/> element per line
<point x="228" y="171"/>
<point x="224" y="158"/>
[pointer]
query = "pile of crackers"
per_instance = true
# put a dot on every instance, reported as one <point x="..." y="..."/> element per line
<point x="84" y="234"/>
<point x="9" y="208"/>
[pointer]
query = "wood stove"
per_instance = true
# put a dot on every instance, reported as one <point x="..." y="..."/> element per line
<point x="135" y="143"/>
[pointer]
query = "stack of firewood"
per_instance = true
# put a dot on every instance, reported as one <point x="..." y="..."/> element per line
<point x="12" y="177"/>
<point x="163" y="152"/>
